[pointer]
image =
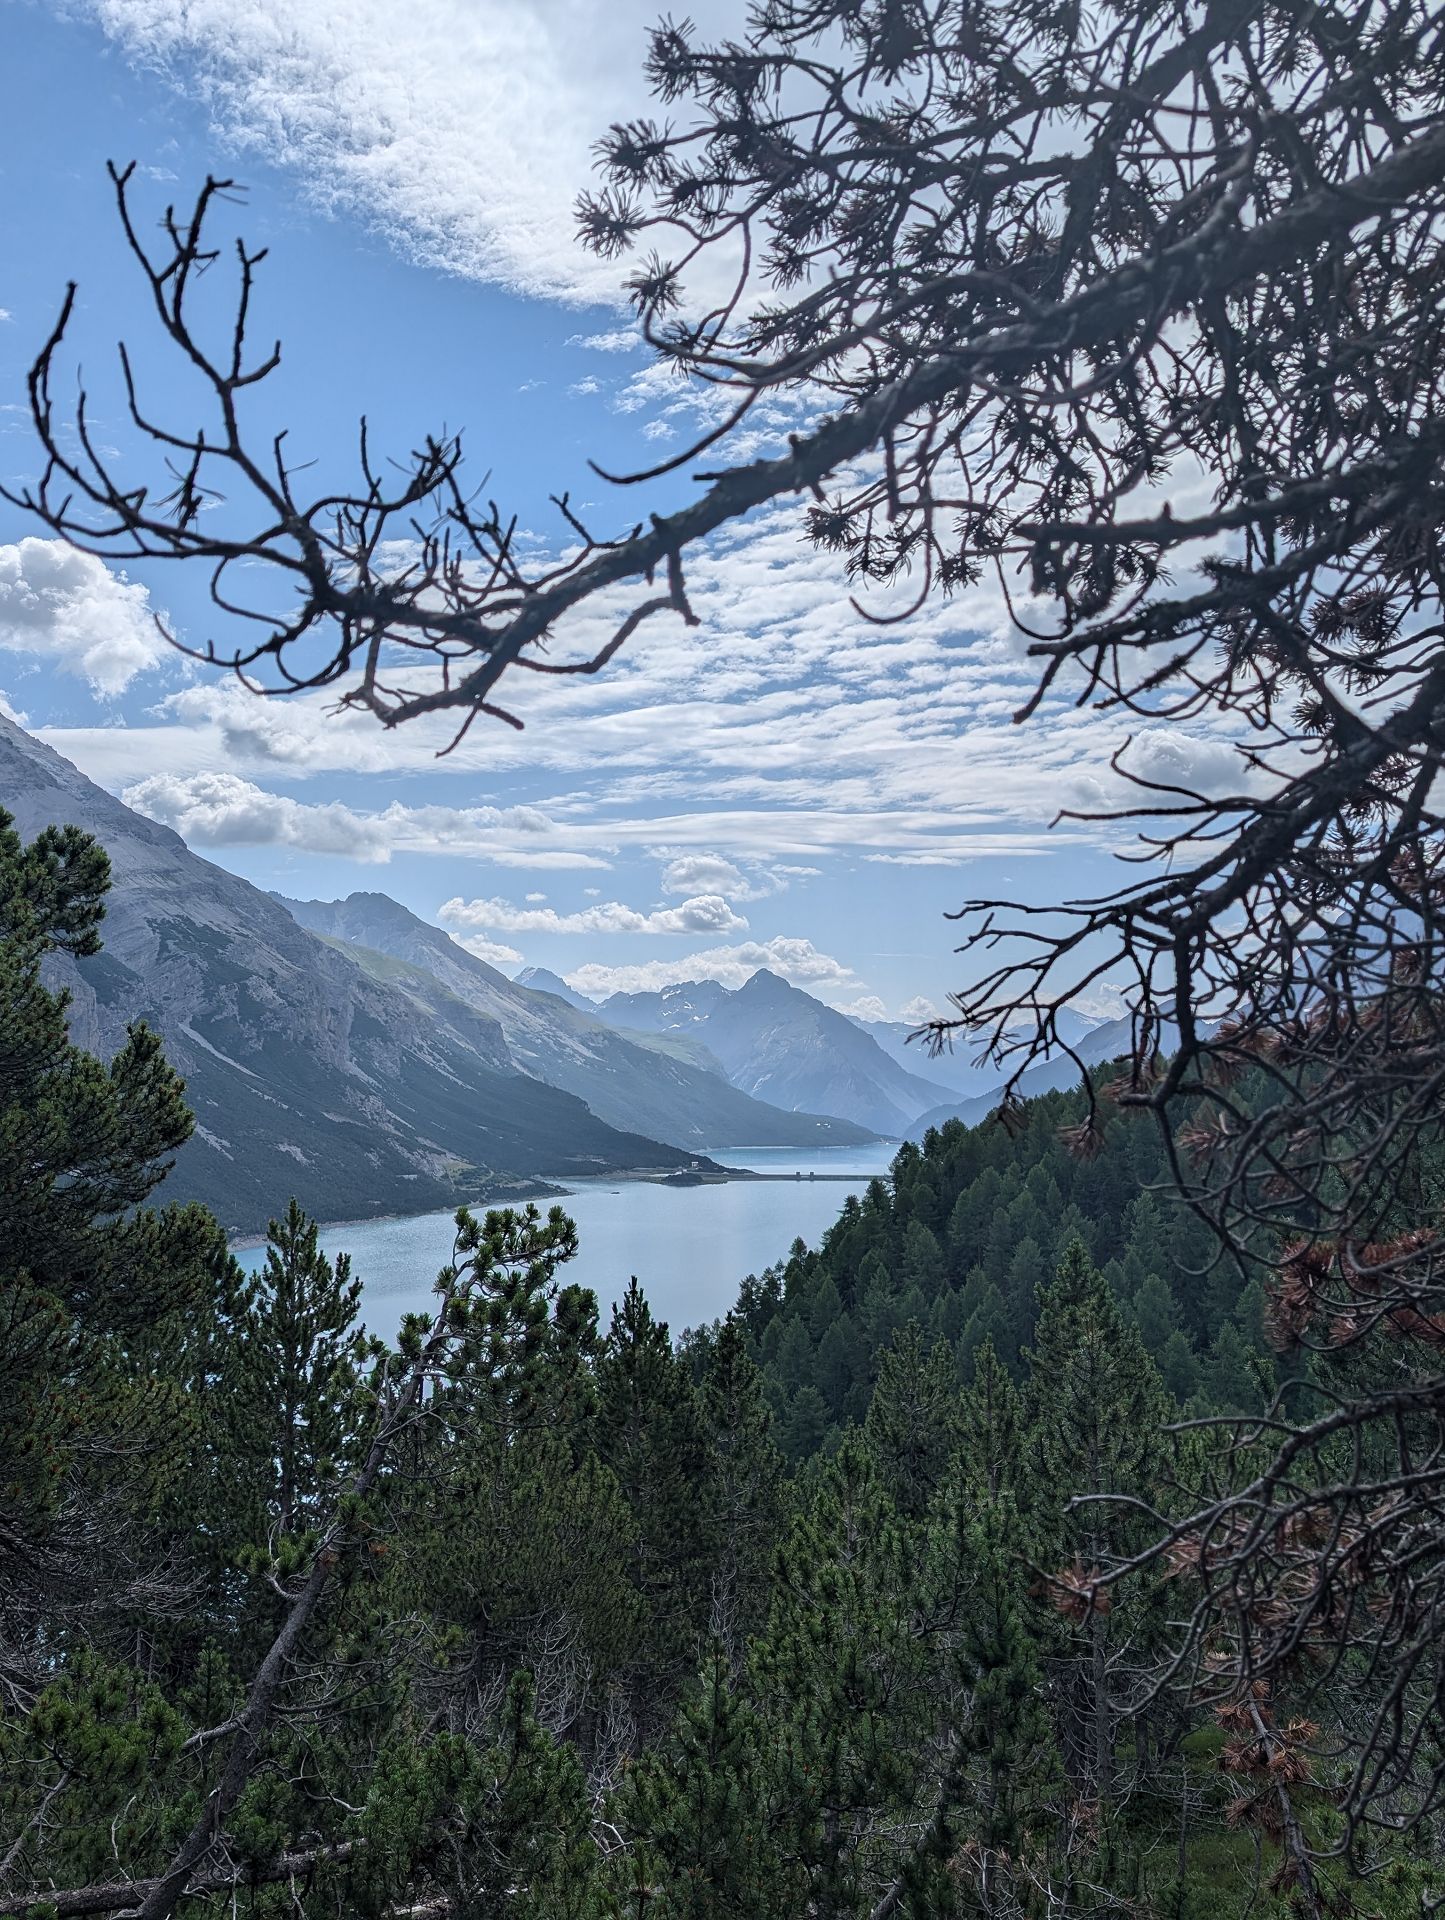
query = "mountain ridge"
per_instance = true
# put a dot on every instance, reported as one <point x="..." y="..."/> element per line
<point x="780" y="1044"/>
<point x="307" y="1076"/>
<point x="626" y="1078"/>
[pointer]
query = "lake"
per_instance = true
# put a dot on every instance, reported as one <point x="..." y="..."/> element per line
<point x="690" y="1247"/>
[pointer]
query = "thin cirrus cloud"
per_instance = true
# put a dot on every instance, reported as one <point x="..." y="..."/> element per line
<point x="812" y="737"/>
<point x="463" y="133"/>
<point x="708" y="914"/>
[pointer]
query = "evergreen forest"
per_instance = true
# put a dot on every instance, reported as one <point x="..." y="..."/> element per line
<point x="529" y="1616"/>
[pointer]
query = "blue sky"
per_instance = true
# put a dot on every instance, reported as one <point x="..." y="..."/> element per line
<point x="787" y="785"/>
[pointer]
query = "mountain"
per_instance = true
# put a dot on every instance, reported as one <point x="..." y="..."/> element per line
<point x="665" y="1083"/>
<point x="951" y="1073"/>
<point x="542" y="980"/>
<point x="1094" y="1045"/>
<point x="955" y="1070"/>
<point x="309" y="1075"/>
<point x="782" y="1045"/>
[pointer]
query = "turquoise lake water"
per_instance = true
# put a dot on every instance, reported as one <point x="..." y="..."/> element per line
<point x="688" y="1246"/>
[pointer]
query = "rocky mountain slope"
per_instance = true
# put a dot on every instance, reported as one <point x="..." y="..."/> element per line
<point x="1094" y="1045"/>
<point x="309" y="1075"/>
<point x="664" y="1082"/>
<point x="785" y="1047"/>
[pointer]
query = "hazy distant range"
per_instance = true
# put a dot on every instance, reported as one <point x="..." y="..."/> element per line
<point x="357" y="1057"/>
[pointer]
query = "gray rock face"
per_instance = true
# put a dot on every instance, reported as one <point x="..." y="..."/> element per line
<point x="308" y="1074"/>
<point x="783" y="1046"/>
<point x="667" y="1082"/>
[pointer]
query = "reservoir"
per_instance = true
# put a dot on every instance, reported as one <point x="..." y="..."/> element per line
<point x="690" y="1247"/>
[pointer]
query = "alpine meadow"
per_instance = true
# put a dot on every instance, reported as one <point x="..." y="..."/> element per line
<point x="932" y="648"/>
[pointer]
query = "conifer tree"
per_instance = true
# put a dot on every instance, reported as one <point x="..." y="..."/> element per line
<point x="912" y="1424"/>
<point x="650" y="1434"/>
<point x="990" y="1428"/>
<point x="1007" y="1744"/>
<point x="100" y="1297"/>
<point x="711" y="1831"/>
<point x="840" y="1678"/>
<point x="742" y="1488"/>
<point x="1095" y="1409"/>
<point x="295" y="1351"/>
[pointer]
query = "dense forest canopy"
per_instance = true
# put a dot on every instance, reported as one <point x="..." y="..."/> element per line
<point x="523" y="1615"/>
<point x="889" y="1595"/>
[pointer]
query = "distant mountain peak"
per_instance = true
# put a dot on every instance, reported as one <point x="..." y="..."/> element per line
<point x="543" y="980"/>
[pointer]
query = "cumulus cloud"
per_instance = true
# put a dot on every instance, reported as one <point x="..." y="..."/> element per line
<point x="715" y="873"/>
<point x="870" y="1007"/>
<point x="71" y="610"/>
<point x="223" y="810"/>
<point x="464" y="138"/>
<point x="795" y="960"/>
<point x="702" y="873"/>
<point x="494" y="952"/>
<point x="707" y="913"/>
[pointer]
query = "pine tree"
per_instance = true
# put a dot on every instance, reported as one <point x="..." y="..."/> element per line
<point x="1009" y="1775"/>
<point x="710" y="1831"/>
<point x="922" y="1261"/>
<point x="990" y="1424"/>
<point x="912" y="1424"/>
<point x="840" y="1680"/>
<point x="296" y="1351"/>
<point x="1095" y="1408"/>
<point x="1228" y="1381"/>
<point x="101" y="1298"/>
<point x="648" y="1431"/>
<point x="742" y="1488"/>
<point x="1154" y="1313"/>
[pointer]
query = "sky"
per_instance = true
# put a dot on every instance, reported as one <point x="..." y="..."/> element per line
<point x="787" y="785"/>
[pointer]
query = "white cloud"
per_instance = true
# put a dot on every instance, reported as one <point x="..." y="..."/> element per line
<point x="494" y="952"/>
<point x="225" y="810"/>
<point x="708" y="913"/>
<point x="462" y="133"/>
<point x="713" y="873"/>
<point x="1101" y="1001"/>
<point x="11" y="711"/>
<point x="70" y="609"/>
<point x="619" y="340"/>
<point x="812" y="738"/>
<point x="870" y="1007"/>
<point x="702" y="873"/>
<point x="798" y="961"/>
<point x="535" y="899"/>
<point x="918" y="1011"/>
<point x="222" y="810"/>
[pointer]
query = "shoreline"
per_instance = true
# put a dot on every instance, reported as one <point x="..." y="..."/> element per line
<point x="245" y="1239"/>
